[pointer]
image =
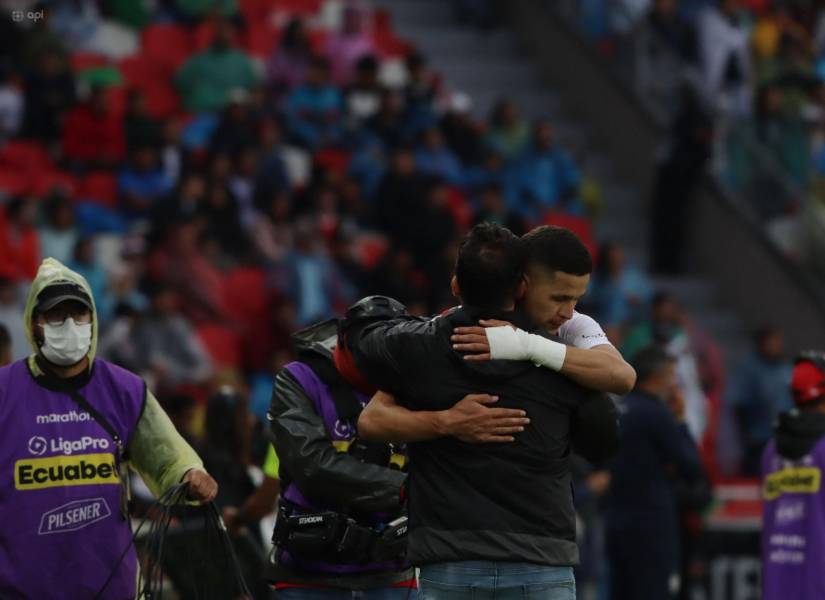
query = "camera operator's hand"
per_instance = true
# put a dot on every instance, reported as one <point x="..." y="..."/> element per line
<point x="201" y="485"/>
<point x="473" y="420"/>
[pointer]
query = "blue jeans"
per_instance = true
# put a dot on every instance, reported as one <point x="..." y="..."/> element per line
<point x="384" y="593"/>
<point x="483" y="580"/>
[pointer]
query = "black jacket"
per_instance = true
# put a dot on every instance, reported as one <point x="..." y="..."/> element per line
<point x="505" y="502"/>
<point x="325" y="476"/>
<point x="797" y="432"/>
<point x="657" y="452"/>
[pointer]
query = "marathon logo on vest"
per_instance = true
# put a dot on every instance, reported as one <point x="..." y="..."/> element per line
<point x="69" y="417"/>
<point x="38" y="445"/>
<point x="792" y="480"/>
<point x="63" y="471"/>
<point x="73" y="516"/>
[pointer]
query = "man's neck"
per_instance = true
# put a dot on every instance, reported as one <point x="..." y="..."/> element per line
<point x="70" y="371"/>
<point x="650" y="390"/>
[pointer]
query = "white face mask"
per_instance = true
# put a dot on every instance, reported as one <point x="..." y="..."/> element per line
<point x="66" y="344"/>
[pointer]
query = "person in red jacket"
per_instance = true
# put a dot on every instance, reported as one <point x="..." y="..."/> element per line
<point x="19" y="242"/>
<point x="92" y="135"/>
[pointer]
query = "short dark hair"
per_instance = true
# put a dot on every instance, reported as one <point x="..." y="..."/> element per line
<point x="490" y="266"/>
<point x="650" y="361"/>
<point x="557" y="249"/>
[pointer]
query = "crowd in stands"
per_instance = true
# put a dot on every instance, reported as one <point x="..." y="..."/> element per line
<point x="224" y="173"/>
<point x="758" y="67"/>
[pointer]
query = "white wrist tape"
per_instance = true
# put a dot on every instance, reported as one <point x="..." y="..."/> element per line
<point x="507" y="343"/>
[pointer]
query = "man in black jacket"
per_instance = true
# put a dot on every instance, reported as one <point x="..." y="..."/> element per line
<point x="485" y="519"/>
<point x="341" y="525"/>
<point x="657" y="451"/>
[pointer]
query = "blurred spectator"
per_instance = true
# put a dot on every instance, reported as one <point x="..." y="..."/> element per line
<point x="362" y="97"/>
<point x="226" y="445"/>
<point x="207" y="78"/>
<point x="272" y="229"/>
<point x="141" y="129"/>
<point x="664" y="43"/>
<point x="462" y="133"/>
<point x="310" y="279"/>
<point x="58" y="235"/>
<point x="223" y="221"/>
<point x="420" y="92"/>
<point x="171" y="155"/>
<point x="677" y="175"/>
<point x="142" y="184"/>
<point x="547" y="177"/>
<point x="725" y="57"/>
<point x="19" y="241"/>
<point x="75" y="21"/>
<point x="273" y="166"/>
<point x="181" y="411"/>
<point x="85" y="262"/>
<point x="12" y="302"/>
<point x="399" y="197"/>
<point x="390" y="123"/>
<point x="166" y="349"/>
<point x="397" y="276"/>
<point x="289" y="63"/>
<point x="198" y="9"/>
<point x="667" y="330"/>
<point x="345" y="47"/>
<point x="5" y="346"/>
<point x="618" y="293"/>
<point x="758" y="391"/>
<point x="92" y="135"/>
<point x="642" y="519"/>
<point x="493" y="209"/>
<point x="238" y="126"/>
<point x="433" y="157"/>
<point x="11" y="104"/>
<point x="50" y="92"/>
<point x="182" y="251"/>
<point x="241" y="184"/>
<point x="314" y="109"/>
<point x="509" y="134"/>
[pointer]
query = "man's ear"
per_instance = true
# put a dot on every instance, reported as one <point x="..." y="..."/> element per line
<point x="456" y="291"/>
<point x="522" y="288"/>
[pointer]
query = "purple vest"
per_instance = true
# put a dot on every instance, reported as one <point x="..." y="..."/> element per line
<point x="61" y="527"/>
<point x="793" y="525"/>
<point x="341" y="432"/>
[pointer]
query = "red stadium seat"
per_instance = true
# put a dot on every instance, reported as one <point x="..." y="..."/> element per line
<point x="13" y="182"/>
<point x="581" y="226"/>
<point x="99" y="187"/>
<point x="370" y="250"/>
<point x="84" y="60"/>
<point x="166" y="45"/>
<point x="221" y="343"/>
<point x="301" y="8"/>
<point x="460" y="208"/>
<point x="333" y="160"/>
<point x="161" y="99"/>
<point x="44" y="182"/>
<point x="256" y="10"/>
<point x="318" y="39"/>
<point x="202" y="35"/>
<point x="23" y="155"/>
<point x="261" y="39"/>
<point x="139" y="71"/>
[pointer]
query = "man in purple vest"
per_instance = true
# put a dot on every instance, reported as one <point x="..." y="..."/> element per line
<point x="793" y="527"/>
<point x="69" y="422"/>
<point x="341" y="528"/>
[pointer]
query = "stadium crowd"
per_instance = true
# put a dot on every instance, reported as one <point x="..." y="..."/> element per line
<point x="224" y="173"/>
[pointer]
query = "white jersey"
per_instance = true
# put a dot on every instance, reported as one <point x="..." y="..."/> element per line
<point x="582" y="331"/>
